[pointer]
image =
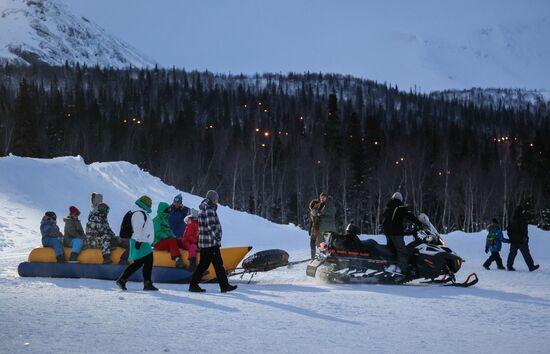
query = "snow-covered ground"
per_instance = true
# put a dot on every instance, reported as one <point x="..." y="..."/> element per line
<point x="280" y="311"/>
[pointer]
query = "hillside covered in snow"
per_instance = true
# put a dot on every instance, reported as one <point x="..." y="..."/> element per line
<point x="30" y="187"/>
<point x="46" y="31"/>
<point x="279" y="311"/>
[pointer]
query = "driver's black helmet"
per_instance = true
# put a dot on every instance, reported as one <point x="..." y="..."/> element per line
<point x="352" y="229"/>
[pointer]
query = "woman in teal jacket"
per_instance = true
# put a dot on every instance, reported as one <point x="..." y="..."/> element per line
<point x="141" y="251"/>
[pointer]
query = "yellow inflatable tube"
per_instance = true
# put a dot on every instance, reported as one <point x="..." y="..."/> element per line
<point x="232" y="256"/>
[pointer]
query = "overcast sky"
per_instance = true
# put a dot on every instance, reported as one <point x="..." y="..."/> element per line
<point x="383" y="40"/>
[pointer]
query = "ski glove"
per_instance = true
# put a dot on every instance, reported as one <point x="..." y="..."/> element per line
<point x="138" y="245"/>
<point x="486" y="250"/>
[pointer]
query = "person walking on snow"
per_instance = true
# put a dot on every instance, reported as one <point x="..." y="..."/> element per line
<point x="395" y="214"/>
<point x="191" y="237"/>
<point x="178" y="212"/>
<point x="519" y="240"/>
<point x="210" y="238"/>
<point x="51" y="236"/>
<point x="493" y="243"/>
<point x="74" y="233"/>
<point x="141" y="251"/>
<point x="165" y="240"/>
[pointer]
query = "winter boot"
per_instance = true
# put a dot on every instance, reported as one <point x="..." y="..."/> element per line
<point x="148" y="285"/>
<point x="194" y="288"/>
<point x="192" y="264"/>
<point x="73" y="258"/>
<point x="511" y="269"/>
<point x="535" y="267"/>
<point x="229" y="288"/>
<point x="107" y="259"/>
<point x="60" y="259"/>
<point x="179" y="263"/>
<point x="121" y="283"/>
<point x="500" y="267"/>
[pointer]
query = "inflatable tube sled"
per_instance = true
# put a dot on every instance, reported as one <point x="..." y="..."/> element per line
<point x="42" y="263"/>
<point x="265" y="261"/>
<point x="100" y="271"/>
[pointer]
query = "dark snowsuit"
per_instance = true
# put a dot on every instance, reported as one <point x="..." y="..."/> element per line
<point x="394" y="216"/>
<point x="519" y="240"/>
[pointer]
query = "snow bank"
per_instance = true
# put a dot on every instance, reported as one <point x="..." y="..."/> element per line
<point x="29" y="187"/>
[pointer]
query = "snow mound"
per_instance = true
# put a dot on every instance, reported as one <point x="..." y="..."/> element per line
<point x="47" y="32"/>
<point x="29" y="187"/>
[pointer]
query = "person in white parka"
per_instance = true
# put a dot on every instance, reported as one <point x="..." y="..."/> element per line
<point x="141" y="251"/>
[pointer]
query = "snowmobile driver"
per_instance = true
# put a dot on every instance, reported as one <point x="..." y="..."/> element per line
<point x="394" y="216"/>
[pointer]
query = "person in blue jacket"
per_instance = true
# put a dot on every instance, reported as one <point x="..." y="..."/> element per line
<point x="51" y="235"/>
<point x="493" y="243"/>
<point x="178" y="212"/>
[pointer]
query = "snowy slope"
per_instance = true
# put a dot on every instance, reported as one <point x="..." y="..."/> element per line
<point x="29" y="187"/>
<point x="45" y="31"/>
<point x="282" y="311"/>
<point x="430" y="44"/>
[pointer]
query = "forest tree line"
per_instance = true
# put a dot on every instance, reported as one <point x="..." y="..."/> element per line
<point x="270" y="143"/>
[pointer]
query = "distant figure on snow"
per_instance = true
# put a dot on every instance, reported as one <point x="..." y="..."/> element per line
<point x="493" y="243"/>
<point x="142" y="238"/>
<point x="51" y="236"/>
<point x="74" y="233"/>
<point x="519" y="240"/>
<point x="326" y="212"/>
<point x="314" y="226"/>
<point x="210" y="238"/>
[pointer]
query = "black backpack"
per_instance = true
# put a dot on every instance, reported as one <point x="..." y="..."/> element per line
<point x="126" y="229"/>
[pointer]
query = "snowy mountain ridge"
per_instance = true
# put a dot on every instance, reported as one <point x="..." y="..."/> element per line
<point x="45" y="31"/>
<point x="495" y="97"/>
<point x="420" y="45"/>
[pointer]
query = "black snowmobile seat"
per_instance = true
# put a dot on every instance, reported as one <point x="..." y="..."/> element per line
<point x="384" y="251"/>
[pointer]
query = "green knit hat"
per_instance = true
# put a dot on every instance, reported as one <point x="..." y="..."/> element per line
<point x="144" y="202"/>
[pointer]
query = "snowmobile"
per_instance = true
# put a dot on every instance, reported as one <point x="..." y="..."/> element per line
<point x="348" y="259"/>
